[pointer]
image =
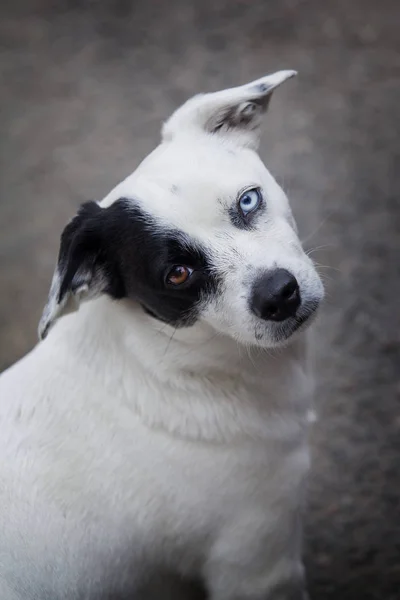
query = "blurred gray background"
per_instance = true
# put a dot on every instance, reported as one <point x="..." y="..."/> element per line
<point x="84" y="88"/>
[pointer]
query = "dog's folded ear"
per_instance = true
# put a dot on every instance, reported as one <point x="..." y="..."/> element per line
<point x="85" y="267"/>
<point x="235" y="112"/>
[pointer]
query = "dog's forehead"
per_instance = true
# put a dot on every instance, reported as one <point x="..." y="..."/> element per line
<point x="188" y="184"/>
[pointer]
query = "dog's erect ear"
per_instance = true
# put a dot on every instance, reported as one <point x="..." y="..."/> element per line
<point x="235" y="112"/>
<point x="85" y="268"/>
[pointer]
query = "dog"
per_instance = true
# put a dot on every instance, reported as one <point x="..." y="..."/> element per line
<point x="157" y="435"/>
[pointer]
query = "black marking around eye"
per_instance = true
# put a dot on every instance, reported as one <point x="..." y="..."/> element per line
<point x="238" y="220"/>
<point x="241" y="221"/>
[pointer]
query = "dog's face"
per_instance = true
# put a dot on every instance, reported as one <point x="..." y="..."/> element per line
<point x="200" y="232"/>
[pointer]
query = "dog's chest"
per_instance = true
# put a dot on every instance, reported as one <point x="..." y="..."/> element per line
<point x="167" y="499"/>
<point x="123" y="473"/>
<point x="100" y="488"/>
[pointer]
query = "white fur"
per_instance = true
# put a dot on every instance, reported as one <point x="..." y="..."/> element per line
<point x="130" y="450"/>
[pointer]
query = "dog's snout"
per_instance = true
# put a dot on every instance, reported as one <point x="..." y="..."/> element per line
<point x="276" y="296"/>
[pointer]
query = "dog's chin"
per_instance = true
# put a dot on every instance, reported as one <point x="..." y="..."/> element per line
<point x="281" y="333"/>
<point x="293" y="326"/>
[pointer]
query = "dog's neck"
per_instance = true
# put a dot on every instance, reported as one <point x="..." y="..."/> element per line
<point x="191" y="381"/>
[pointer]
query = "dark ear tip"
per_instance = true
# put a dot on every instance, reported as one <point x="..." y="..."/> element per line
<point x="48" y="317"/>
<point x="43" y="331"/>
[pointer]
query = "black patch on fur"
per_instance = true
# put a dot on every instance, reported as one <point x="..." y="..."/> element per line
<point x="124" y="253"/>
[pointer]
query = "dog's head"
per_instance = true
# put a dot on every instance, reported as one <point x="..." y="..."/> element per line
<point x="200" y="232"/>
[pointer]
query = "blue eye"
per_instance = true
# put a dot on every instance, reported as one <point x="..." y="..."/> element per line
<point x="250" y="201"/>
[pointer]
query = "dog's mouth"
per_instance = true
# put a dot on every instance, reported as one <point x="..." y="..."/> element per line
<point x="293" y="324"/>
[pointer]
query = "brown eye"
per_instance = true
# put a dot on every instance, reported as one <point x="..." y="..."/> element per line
<point x="178" y="275"/>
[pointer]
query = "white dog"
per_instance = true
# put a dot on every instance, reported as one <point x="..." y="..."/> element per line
<point x="158" y="434"/>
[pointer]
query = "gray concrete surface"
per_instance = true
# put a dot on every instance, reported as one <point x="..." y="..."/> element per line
<point x="84" y="86"/>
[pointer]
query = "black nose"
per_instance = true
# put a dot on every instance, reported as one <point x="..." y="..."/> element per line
<point x="276" y="296"/>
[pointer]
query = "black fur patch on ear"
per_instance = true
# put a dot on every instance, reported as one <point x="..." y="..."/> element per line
<point x="122" y="251"/>
<point x="84" y="257"/>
